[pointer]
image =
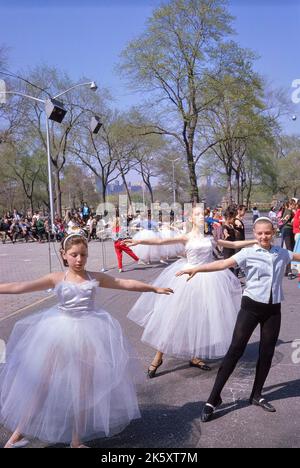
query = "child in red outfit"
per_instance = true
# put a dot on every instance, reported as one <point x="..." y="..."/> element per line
<point x="118" y="235"/>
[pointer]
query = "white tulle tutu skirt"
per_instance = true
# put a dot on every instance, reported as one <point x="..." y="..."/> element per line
<point x="66" y="374"/>
<point x="171" y="250"/>
<point x="197" y="320"/>
<point x="148" y="253"/>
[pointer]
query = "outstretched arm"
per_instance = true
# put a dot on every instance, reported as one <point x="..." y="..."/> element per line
<point x="155" y="241"/>
<point x="236" y="244"/>
<point x="46" y="282"/>
<point x="208" y="267"/>
<point x="107" y="281"/>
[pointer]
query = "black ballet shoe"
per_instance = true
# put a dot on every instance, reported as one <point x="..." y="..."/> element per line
<point x="208" y="410"/>
<point x="263" y="403"/>
<point x="151" y="372"/>
<point x="200" y="365"/>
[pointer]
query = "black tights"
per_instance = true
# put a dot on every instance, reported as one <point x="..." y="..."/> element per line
<point x="251" y="314"/>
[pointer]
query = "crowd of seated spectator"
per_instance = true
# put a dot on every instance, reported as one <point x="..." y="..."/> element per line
<point x="36" y="227"/>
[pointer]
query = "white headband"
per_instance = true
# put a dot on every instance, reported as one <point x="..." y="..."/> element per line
<point x="263" y="218"/>
<point x="72" y="235"/>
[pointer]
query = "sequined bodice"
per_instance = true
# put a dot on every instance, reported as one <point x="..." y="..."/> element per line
<point x="76" y="298"/>
<point x="199" y="251"/>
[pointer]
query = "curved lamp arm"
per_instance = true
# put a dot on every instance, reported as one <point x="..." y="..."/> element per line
<point x="92" y="84"/>
<point x="23" y="95"/>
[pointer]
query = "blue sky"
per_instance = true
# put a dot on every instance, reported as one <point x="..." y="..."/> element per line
<point x="85" y="37"/>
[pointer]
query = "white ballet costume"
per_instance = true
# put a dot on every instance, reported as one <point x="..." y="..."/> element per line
<point x="170" y="250"/>
<point x="199" y="318"/>
<point x="148" y="253"/>
<point x="68" y="370"/>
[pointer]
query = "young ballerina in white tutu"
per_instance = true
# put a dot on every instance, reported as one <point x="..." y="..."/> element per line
<point x="198" y="320"/>
<point x="149" y="253"/>
<point x="167" y="231"/>
<point x="69" y="373"/>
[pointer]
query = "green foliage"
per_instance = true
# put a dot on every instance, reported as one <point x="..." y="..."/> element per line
<point x="289" y="174"/>
<point x="169" y="60"/>
<point x="23" y="176"/>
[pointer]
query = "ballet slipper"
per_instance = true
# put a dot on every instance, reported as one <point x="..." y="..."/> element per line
<point x="79" y="446"/>
<point x="20" y="443"/>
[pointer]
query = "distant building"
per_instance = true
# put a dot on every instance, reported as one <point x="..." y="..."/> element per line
<point x="116" y="187"/>
<point x="137" y="187"/>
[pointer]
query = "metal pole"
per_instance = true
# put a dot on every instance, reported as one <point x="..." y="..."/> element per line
<point x="103" y="255"/>
<point x="50" y="177"/>
<point x="174" y="194"/>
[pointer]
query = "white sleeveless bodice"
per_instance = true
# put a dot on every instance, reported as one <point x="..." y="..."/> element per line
<point x="76" y="298"/>
<point x="199" y="251"/>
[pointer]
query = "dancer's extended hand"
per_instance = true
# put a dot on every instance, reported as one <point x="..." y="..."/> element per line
<point x="130" y="242"/>
<point x="191" y="272"/>
<point x="166" y="291"/>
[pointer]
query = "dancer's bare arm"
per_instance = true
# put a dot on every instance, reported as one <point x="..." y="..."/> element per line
<point x="236" y="244"/>
<point x="155" y="241"/>
<point x="41" y="284"/>
<point x="208" y="267"/>
<point x="107" y="281"/>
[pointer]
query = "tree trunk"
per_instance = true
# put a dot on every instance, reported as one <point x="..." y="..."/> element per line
<point x="238" y="187"/>
<point x="126" y="187"/>
<point x="148" y="184"/>
<point x="104" y="188"/>
<point x="243" y="181"/>
<point x="229" y="187"/>
<point x="194" y="192"/>
<point x="188" y="136"/>
<point x="249" y="195"/>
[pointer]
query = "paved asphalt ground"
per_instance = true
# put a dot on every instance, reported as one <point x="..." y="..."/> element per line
<point x="171" y="402"/>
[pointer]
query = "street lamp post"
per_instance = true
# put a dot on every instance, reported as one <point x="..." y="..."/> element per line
<point x="58" y="115"/>
<point x="51" y="203"/>
<point x="173" y="161"/>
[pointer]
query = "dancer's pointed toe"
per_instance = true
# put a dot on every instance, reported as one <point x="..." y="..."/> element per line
<point x="151" y="372"/>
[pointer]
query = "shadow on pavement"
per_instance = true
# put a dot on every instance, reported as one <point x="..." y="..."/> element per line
<point x="159" y="426"/>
